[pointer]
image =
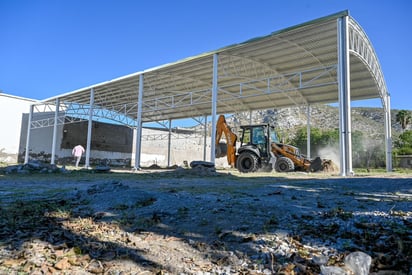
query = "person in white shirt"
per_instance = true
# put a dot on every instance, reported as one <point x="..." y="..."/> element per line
<point x="77" y="152"/>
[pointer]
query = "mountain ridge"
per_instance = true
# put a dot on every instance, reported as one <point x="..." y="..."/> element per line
<point x="369" y="120"/>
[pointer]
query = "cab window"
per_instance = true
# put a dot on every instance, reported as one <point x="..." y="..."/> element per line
<point x="246" y="136"/>
<point x="258" y="135"/>
<point x="273" y="135"/>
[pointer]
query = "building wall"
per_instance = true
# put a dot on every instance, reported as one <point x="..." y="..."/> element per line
<point x="105" y="136"/>
<point x="109" y="141"/>
<point x="41" y="139"/>
<point x="113" y="142"/>
<point x="11" y="110"/>
<point x="183" y="149"/>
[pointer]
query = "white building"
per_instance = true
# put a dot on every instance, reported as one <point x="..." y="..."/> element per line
<point x="11" y="111"/>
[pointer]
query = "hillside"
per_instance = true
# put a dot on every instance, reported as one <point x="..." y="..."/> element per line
<point x="368" y="120"/>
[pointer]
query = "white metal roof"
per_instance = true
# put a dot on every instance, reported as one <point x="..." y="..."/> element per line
<point x="294" y="66"/>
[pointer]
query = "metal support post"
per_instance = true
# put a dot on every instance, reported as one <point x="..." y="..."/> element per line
<point x="250" y="117"/>
<point x="204" y="138"/>
<point x="169" y="143"/>
<point x="344" y="98"/>
<point x="388" y="134"/>
<point x="308" y="132"/>
<point x="26" y="155"/>
<point x="139" y="124"/>
<point x="56" y="117"/>
<point x="89" y="129"/>
<point x="214" y="108"/>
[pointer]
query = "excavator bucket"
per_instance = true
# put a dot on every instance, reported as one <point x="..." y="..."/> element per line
<point x="316" y="165"/>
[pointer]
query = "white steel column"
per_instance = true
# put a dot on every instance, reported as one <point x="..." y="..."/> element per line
<point x="169" y="143"/>
<point x="214" y="108"/>
<point x="308" y="132"/>
<point x="56" y="117"/>
<point x="388" y="134"/>
<point x="89" y="129"/>
<point x="139" y="124"/>
<point x="26" y="155"/>
<point x="344" y="98"/>
<point x="205" y="138"/>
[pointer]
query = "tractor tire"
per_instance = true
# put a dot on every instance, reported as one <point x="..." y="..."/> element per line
<point x="284" y="164"/>
<point x="247" y="162"/>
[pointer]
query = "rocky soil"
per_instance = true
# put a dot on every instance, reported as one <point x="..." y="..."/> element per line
<point x="198" y="221"/>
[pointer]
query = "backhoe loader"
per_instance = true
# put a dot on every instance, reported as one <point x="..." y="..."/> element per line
<point x="260" y="149"/>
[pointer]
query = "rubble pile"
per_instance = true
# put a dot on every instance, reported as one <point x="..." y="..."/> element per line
<point x="33" y="166"/>
<point x="197" y="168"/>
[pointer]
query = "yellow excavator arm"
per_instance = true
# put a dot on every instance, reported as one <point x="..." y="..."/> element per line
<point x="231" y="139"/>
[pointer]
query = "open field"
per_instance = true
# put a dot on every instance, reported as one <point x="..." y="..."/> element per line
<point x="188" y="221"/>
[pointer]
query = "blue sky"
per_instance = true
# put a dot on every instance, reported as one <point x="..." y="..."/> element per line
<point x="53" y="47"/>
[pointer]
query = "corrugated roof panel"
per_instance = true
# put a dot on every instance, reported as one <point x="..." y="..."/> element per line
<point x="290" y="67"/>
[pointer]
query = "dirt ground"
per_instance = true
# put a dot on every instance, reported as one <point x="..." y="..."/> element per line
<point x="190" y="221"/>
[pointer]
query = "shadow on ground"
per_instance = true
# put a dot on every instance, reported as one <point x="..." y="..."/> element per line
<point x="181" y="222"/>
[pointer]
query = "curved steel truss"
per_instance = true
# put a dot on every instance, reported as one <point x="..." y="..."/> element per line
<point x="361" y="47"/>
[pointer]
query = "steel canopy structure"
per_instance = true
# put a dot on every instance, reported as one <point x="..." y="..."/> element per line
<point x="326" y="60"/>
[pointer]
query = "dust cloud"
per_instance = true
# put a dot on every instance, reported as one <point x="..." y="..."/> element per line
<point x="330" y="153"/>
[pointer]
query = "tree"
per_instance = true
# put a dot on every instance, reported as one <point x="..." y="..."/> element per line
<point x="318" y="139"/>
<point x="404" y="118"/>
<point x="403" y="144"/>
<point x="366" y="152"/>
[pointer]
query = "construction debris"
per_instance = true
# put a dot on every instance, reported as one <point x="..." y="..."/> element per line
<point x="33" y="166"/>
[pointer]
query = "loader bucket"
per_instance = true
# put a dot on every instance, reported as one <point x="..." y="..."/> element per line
<point x="315" y="165"/>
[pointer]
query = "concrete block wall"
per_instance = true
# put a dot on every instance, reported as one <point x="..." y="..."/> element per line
<point x="109" y="141"/>
<point x="154" y="151"/>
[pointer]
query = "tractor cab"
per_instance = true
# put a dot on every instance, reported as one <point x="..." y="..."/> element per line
<point x="261" y="136"/>
<point x="255" y="147"/>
